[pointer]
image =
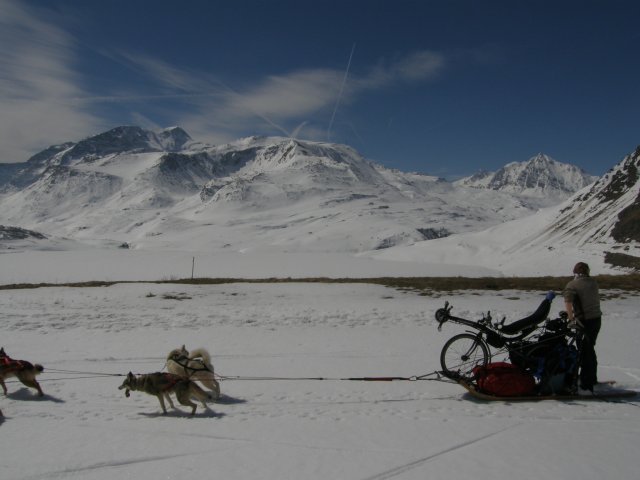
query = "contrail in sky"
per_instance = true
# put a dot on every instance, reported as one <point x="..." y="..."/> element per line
<point x="344" y="80"/>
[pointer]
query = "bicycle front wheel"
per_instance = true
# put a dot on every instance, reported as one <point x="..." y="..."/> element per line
<point x="461" y="354"/>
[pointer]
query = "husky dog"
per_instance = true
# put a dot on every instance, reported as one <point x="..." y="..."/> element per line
<point x="195" y="365"/>
<point x="21" y="369"/>
<point x="162" y="385"/>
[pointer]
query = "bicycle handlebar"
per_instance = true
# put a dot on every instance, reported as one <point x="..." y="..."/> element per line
<point x="444" y="314"/>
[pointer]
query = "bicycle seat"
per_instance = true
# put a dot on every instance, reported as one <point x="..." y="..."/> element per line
<point x="528" y="322"/>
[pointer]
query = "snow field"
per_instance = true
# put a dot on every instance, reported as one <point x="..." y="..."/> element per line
<point x="279" y="429"/>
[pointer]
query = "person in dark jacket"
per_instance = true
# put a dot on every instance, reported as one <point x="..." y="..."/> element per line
<point x="582" y="303"/>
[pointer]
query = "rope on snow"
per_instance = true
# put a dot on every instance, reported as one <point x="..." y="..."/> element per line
<point x="414" y="378"/>
<point x="433" y="376"/>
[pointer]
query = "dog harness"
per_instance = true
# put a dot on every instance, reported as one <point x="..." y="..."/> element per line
<point x="171" y="380"/>
<point x="183" y="361"/>
<point x="10" y="365"/>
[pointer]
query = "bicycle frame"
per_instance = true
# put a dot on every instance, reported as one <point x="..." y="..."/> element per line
<point x="482" y="340"/>
<point x="482" y="327"/>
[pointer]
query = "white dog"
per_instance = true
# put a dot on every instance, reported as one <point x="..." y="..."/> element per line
<point x="195" y="365"/>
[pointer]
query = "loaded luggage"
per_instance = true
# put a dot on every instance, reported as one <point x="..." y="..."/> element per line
<point x="504" y="380"/>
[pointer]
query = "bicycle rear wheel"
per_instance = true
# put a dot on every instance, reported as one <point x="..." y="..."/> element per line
<point x="461" y="354"/>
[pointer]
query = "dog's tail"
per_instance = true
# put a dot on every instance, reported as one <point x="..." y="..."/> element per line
<point x="204" y="355"/>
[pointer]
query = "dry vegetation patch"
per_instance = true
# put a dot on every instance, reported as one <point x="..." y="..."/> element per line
<point x="424" y="285"/>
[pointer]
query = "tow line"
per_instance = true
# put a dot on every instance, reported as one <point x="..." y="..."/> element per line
<point x="437" y="377"/>
<point x="433" y="376"/>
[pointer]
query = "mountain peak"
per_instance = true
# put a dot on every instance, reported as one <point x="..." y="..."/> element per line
<point x="173" y="138"/>
<point x="119" y="139"/>
<point x="541" y="158"/>
<point x="605" y="215"/>
<point x="541" y="176"/>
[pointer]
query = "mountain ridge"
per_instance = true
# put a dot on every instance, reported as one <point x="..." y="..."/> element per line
<point x="598" y="224"/>
<point x="161" y="189"/>
<point x="541" y="175"/>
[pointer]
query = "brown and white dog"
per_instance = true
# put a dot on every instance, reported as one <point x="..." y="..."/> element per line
<point x="162" y="385"/>
<point x="21" y="369"/>
<point x="195" y="365"/>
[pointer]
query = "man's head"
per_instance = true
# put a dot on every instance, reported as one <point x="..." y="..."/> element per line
<point x="581" y="269"/>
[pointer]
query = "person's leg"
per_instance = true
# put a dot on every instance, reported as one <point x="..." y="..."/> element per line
<point x="588" y="357"/>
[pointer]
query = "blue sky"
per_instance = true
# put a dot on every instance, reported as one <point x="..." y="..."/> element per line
<point x="444" y="87"/>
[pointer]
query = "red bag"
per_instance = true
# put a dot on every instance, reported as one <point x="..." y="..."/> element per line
<point x="503" y="380"/>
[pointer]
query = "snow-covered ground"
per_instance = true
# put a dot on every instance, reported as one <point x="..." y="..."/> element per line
<point x="36" y="266"/>
<point x="84" y="427"/>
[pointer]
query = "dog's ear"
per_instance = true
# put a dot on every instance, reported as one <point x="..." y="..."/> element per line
<point x="129" y="375"/>
<point x="2" y="351"/>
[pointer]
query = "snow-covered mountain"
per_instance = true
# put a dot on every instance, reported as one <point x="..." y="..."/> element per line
<point x="605" y="215"/>
<point x="600" y="225"/>
<point x="539" y="177"/>
<point x="130" y="186"/>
